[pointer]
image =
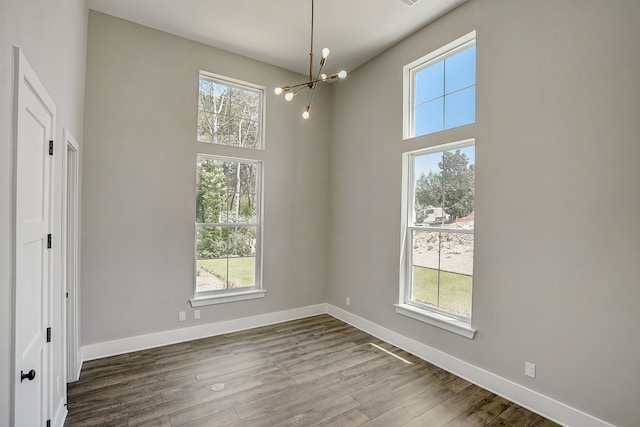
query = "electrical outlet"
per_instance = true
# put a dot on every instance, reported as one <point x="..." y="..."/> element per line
<point x="348" y="301"/>
<point x="182" y="316"/>
<point x="530" y="369"/>
<point x="196" y="314"/>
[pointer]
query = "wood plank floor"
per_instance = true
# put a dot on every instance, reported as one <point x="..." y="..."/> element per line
<point x="308" y="372"/>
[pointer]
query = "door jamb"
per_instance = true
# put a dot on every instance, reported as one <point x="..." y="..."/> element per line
<point x="70" y="224"/>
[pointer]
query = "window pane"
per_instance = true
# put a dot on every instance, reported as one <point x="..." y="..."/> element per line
<point x="205" y="126"/>
<point x="221" y="99"/>
<point x="426" y="263"/>
<point x="229" y="114"/>
<point x="428" y="189"/>
<point x="458" y="171"/>
<point x="250" y="134"/>
<point x="241" y="259"/>
<point x="444" y="91"/>
<point x="429" y="83"/>
<point x="460" y="70"/>
<point x="456" y="272"/>
<point x="442" y="265"/>
<point x="226" y="257"/>
<point x="429" y="117"/>
<point x="460" y="108"/>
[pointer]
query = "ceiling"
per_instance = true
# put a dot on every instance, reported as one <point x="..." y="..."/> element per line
<point x="278" y="31"/>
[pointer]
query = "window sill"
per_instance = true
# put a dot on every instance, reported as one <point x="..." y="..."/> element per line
<point x="227" y="297"/>
<point x="452" y="325"/>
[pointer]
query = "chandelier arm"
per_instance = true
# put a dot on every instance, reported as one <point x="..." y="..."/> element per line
<point x="289" y="89"/>
<point x="313" y="91"/>
<point x="322" y="62"/>
<point x="311" y="82"/>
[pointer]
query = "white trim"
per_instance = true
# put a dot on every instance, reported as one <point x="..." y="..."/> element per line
<point x="527" y="398"/>
<point x="222" y="298"/>
<point x="61" y="415"/>
<point x="142" y="342"/>
<point x="70" y="253"/>
<point x="438" y="320"/>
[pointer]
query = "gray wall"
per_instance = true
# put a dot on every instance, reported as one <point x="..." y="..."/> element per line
<point x="139" y="184"/>
<point x="52" y="35"/>
<point x="557" y="206"/>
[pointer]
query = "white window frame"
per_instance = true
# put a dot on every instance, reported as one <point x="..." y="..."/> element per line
<point x="224" y="152"/>
<point x="409" y="72"/>
<point x="250" y="292"/>
<point x="440" y="318"/>
<point x="243" y="86"/>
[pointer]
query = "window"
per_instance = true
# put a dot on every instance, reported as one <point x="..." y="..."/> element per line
<point x="438" y="231"/>
<point x="228" y="225"/>
<point x="228" y="205"/>
<point x="441" y="89"/>
<point x="229" y="112"/>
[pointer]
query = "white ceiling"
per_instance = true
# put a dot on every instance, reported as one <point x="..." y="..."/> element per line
<point x="278" y="31"/>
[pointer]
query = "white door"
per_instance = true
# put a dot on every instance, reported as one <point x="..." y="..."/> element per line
<point x="35" y="113"/>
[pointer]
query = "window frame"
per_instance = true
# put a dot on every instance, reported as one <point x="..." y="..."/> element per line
<point x="435" y="316"/>
<point x="219" y="296"/>
<point x="239" y="84"/>
<point x="410" y="70"/>
<point x="225" y="152"/>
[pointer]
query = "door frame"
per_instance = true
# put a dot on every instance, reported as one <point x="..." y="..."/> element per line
<point x="70" y="254"/>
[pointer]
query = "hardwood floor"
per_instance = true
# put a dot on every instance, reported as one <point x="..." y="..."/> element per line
<point x="308" y="372"/>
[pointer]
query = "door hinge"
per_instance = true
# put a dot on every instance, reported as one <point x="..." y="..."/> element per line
<point x="51" y="147"/>
<point x="66" y="295"/>
<point x="48" y="423"/>
<point x="49" y="334"/>
<point x="48" y="241"/>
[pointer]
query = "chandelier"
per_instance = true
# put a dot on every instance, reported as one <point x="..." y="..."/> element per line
<point x="312" y="84"/>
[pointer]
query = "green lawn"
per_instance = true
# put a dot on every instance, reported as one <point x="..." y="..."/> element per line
<point x="455" y="289"/>
<point x="241" y="270"/>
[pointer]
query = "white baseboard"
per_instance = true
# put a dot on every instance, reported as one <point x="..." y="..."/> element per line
<point x="142" y="342"/>
<point x="60" y="416"/>
<point x="532" y="400"/>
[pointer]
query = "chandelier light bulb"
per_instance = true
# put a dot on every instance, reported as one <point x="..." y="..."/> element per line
<point x="325" y="52"/>
<point x="288" y="96"/>
<point x="342" y="74"/>
<point x="278" y="91"/>
<point x="305" y="114"/>
<point x="323" y="76"/>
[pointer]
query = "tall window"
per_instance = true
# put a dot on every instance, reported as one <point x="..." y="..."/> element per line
<point x="229" y="112"/>
<point x="227" y="224"/>
<point x="439" y="218"/>
<point x="436" y="277"/>
<point x="442" y="89"/>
